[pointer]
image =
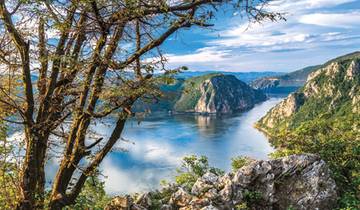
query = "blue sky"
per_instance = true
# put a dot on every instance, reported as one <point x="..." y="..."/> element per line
<point x="315" y="31"/>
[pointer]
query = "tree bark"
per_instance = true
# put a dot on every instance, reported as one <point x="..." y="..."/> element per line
<point x="59" y="197"/>
<point x="33" y="174"/>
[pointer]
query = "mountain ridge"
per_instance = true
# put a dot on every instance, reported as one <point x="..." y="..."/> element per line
<point x="214" y="93"/>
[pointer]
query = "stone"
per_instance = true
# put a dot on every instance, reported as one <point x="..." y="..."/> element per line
<point x="284" y="109"/>
<point x="144" y="200"/>
<point x="210" y="207"/>
<point x="120" y="203"/>
<point x="235" y="95"/>
<point x="211" y="194"/>
<point x="197" y="203"/>
<point x="298" y="181"/>
<point x="218" y="94"/>
<point x="137" y="207"/>
<point x="204" y="183"/>
<point x="180" y="198"/>
<point x="166" y="207"/>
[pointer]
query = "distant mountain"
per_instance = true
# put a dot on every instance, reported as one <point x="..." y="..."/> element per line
<point x="246" y="77"/>
<point x="284" y="83"/>
<point x="217" y="93"/>
<point x="331" y="94"/>
<point x="209" y="93"/>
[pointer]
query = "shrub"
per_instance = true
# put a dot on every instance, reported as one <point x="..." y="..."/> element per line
<point x="92" y="196"/>
<point x="192" y="168"/>
<point x="239" y="162"/>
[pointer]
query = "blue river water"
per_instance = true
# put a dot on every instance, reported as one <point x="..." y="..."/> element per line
<point x="155" y="147"/>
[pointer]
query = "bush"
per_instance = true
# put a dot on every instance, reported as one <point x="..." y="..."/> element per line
<point x="92" y="196"/>
<point x="239" y="162"/>
<point x="9" y="172"/>
<point x="192" y="168"/>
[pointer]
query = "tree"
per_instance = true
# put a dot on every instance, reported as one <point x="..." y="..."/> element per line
<point x="9" y="164"/>
<point x="82" y="61"/>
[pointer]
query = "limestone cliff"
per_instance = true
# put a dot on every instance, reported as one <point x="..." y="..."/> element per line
<point x="217" y="93"/>
<point x="330" y="93"/>
<point x="294" y="182"/>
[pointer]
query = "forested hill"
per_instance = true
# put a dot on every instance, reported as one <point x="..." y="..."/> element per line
<point x="210" y="93"/>
<point x="323" y="117"/>
<point x="287" y="82"/>
<point x="332" y="89"/>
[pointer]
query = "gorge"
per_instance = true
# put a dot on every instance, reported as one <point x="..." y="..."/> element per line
<point x="329" y="98"/>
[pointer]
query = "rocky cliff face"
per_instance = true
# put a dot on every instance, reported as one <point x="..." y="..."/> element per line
<point x="283" y="110"/>
<point x="333" y="90"/>
<point x="294" y="182"/>
<point x="219" y="94"/>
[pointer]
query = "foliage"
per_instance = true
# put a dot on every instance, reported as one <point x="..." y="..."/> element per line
<point x="191" y="92"/>
<point x="252" y="196"/>
<point x="8" y="173"/>
<point x="100" y="57"/>
<point x="250" y="199"/>
<point x="239" y="162"/>
<point x="328" y="125"/>
<point x="92" y="196"/>
<point x="169" y="93"/>
<point x="192" y="168"/>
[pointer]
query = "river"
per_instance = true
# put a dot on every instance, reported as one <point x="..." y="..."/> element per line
<point x="154" y="148"/>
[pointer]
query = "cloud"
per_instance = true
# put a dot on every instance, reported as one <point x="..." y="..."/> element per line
<point x="202" y="55"/>
<point x="119" y="180"/>
<point x="253" y="39"/>
<point x="293" y="7"/>
<point x="256" y="46"/>
<point x="340" y="20"/>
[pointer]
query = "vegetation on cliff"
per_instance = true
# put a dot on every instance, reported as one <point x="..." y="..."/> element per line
<point x="217" y="93"/>
<point x="323" y="118"/>
<point x="209" y="93"/>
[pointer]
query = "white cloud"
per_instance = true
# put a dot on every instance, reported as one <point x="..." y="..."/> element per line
<point x="340" y="20"/>
<point x="253" y="39"/>
<point x="202" y="55"/>
<point x="296" y="6"/>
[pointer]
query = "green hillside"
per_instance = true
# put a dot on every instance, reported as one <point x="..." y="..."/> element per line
<point x="323" y="117"/>
<point x="191" y="92"/>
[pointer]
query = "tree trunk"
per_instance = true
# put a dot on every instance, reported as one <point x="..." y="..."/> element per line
<point x="59" y="197"/>
<point x="33" y="174"/>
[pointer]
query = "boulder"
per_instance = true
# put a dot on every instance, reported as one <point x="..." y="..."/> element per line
<point x="180" y="198"/>
<point x="120" y="203"/>
<point x="204" y="183"/>
<point x="297" y="182"/>
<point x="144" y="200"/>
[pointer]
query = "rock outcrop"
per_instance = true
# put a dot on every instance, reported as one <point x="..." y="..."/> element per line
<point x="219" y="94"/>
<point x="283" y="110"/>
<point x="294" y="182"/>
<point x="333" y="90"/>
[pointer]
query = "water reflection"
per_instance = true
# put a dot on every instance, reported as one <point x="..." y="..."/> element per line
<point x="160" y="142"/>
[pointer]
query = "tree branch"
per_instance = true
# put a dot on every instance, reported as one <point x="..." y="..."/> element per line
<point x="23" y="48"/>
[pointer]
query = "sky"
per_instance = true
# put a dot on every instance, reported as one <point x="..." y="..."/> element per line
<point x="314" y="32"/>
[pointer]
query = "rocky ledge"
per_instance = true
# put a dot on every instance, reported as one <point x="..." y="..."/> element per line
<point x="294" y="182"/>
